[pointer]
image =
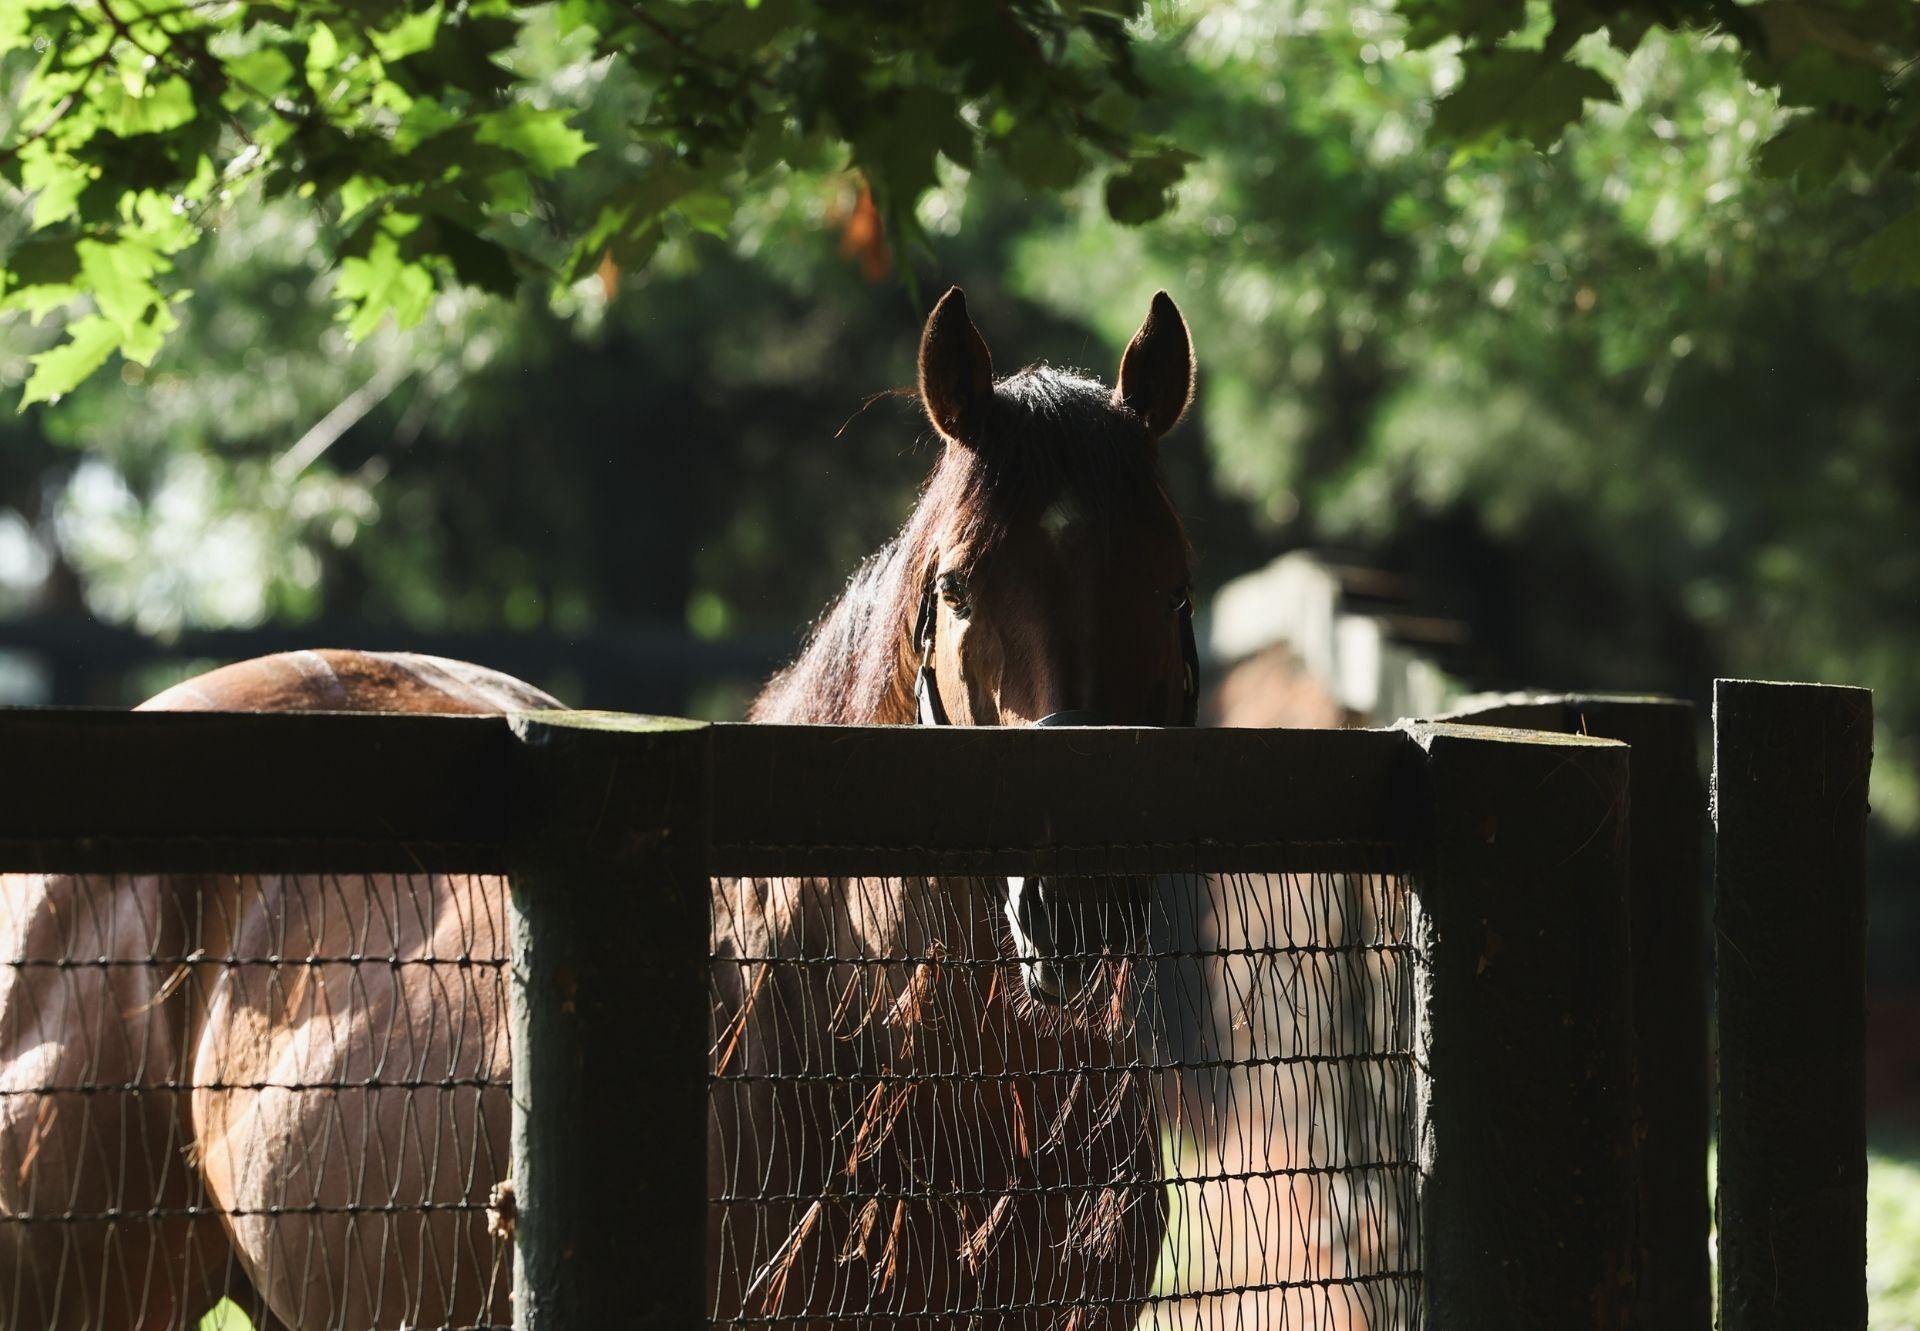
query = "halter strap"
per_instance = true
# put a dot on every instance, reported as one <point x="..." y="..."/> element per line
<point x="1189" y="663"/>
<point x="927" y="706"/>
<point x="930" y="711"/>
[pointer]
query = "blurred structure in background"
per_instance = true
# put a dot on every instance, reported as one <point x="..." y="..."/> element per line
<point x="1307" y="641"/>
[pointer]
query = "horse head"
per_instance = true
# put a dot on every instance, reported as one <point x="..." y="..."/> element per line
<point x="1054" y="581"/>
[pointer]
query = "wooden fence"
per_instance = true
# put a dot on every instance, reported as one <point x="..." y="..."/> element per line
<point x="1556" y="1011"/>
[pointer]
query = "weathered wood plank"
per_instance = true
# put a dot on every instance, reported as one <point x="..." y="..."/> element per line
<point x="609" y="1006"/>
<point x="876" y="800"/>
<point x="107" y="791"/>
<point x="1673" y="1110"/>
<point x="111" y="791"/>
<point x="1790" y="770"/>
<point x="1522" y="1013"/>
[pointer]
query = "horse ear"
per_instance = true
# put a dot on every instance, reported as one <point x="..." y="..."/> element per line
<point x="956" y="370"/>
<point x="1156" y="373"/>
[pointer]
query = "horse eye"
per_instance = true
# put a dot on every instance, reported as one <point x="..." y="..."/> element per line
<point x="953" y="590"/>
<point x="1179" y="598"/>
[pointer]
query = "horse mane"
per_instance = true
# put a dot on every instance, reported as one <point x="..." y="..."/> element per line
<point x="1052" y="433"/>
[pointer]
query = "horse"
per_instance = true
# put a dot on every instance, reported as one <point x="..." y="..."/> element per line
<point x="1042" y="575"/>
<point x="1045" y="577"/>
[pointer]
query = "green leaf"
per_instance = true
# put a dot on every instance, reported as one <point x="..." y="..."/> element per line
<point x="462" y="58"/>
<point x="154" y="109"/>
<point x="424" y="119"/>
<point x="1432" y="21"/>
<point x="42" y="260"/>
<point x="56" y="182"/>
<point x="16" y="28"/>
<point x="1811" y="152"/>
<point x="323" y="54"/>
<point x="415" y="32"/>
<point x="1891" y="257"/>
<point x="896" y="147"/>
<point x="503" y="192"/>
<point x="741" y="31"/>
<point x="707" y="210"/>
<point x="541" y="138"/>
<point x="383" y="281"/>
<point x="634" y="249"/>
<point x="1819" y="77"/>
<point x="767" y="144"/>
<point x="644" y="199"/>
<point x="1519" y="94"/>
<point x="58" y="370"/>
<point x="37" y="302"/>
<point x="1043" y="156"/>
<point x="142" y="342"/>
<point x="628" y="223"/>
<point x="261" y="73"/>
<point x="119" y="275"/>
<point x="1143" y="190"/>
<point x="358" y="193"/>
<point x="162" y="223"/>
<point x="477" y="261"/>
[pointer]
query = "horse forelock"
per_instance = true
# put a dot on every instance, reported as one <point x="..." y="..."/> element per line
<point x="1055" y="438"/>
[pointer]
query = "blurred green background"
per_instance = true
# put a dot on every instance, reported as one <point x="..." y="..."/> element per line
<point x="1615" y="408"/>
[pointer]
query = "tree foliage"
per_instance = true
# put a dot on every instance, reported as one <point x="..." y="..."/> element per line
<point x="445" y="140"/>
<point x="1848" y="71"/>
<point x="1612" y="401"/>
<point x="439" y="135"/>
<point x="1614" y="405"/>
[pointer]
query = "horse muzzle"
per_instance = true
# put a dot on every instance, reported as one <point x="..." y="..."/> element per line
<point x="1051" y="974"/>
<point x="1043" y="970"/>
<point x="1068" y="930"/>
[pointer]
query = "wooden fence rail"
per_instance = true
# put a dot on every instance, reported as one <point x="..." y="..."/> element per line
<point x="1558" y="1011"/>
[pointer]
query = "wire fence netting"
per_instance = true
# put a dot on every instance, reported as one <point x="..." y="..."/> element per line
<point x="283" y="1100"/>
<point x="1210" y="1125"/>
<point x="233" y="1099"/>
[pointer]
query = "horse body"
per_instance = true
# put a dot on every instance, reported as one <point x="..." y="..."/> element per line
<point x="204" y="1193"/>
<point x="351" y="1119"/>
<point x="72" y="1156"/>
<point x="327" y="1133"/>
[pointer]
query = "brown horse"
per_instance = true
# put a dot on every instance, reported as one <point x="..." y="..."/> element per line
<point x="164" y="1124"/>
<point x="940" y="1157"/>
<point x="186" y="1130"/>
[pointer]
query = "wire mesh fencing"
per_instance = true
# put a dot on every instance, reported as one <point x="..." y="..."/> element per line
<point x="282" y="1097"/>
<point x="1211" y="1125"/>
<point x="289" y="1093"/>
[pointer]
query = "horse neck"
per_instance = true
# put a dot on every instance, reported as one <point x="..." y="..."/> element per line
<point x="857" y="667"/>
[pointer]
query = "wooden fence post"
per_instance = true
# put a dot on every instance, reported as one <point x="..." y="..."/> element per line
<point x="1667" y="903"/>
<point x="1526" y="1205"/>
<point x="1790" y="765"/>
<point x="609" y="920"/>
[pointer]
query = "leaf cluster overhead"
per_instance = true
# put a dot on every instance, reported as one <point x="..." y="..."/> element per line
<point x="1847" y="71"/>
<point x="438" y="135"/>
